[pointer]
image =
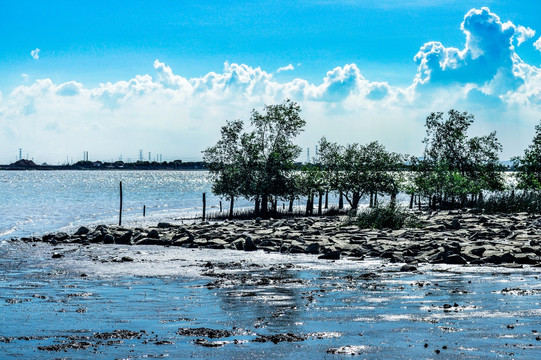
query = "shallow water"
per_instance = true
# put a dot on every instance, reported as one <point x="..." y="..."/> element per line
<point x="38" y="202"/>
<point x="388" y="314"/>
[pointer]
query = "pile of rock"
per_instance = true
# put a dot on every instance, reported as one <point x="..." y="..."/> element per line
<point x="451" y="237"/>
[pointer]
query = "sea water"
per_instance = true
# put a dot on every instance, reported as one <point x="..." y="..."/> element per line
<point x="33" y="203"/>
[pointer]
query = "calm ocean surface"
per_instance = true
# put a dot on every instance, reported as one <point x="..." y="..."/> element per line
<point x="37" y="202"/>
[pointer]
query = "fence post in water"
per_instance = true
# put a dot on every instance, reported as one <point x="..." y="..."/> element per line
<point x="144" y="210"/>
<point x="120" y="212"/>
<point x="204" y="205"/>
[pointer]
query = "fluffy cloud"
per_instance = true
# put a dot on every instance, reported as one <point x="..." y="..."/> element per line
<point x="524" y="34"/>
<point x="70" y="88"/>
<point x="537" y="44"/>
<point x="488" y="50"/>
<point x="165" y="112"/>
<point x="285" y="68"/>
<point x="488" y="63"/>
<point x="35" y="54"/>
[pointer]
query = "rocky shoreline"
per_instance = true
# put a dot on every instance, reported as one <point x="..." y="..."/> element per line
<point x="447" y="237"/>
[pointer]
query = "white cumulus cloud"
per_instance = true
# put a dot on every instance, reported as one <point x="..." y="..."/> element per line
<point x="537" y="44"/>
<point x="35" y="53"/>
<point x="286" y="68"/>
<point x="524" y="33"/>
<point x="165" y="112"/>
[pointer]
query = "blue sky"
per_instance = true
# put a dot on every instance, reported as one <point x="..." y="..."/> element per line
<point x="115" y="77"/>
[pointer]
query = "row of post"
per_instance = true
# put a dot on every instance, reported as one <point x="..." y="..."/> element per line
<point x="205" y="205"/>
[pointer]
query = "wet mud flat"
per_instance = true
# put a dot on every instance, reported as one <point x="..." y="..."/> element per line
<point x="130" y="302"/>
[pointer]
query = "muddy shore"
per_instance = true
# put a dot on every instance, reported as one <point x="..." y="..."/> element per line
<point x="447" y="237"/>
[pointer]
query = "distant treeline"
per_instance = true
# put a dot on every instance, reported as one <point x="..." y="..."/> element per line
<point x="116" y="165"/>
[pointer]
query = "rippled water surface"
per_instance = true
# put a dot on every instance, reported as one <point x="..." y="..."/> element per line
<point x="36" y="202"/>
<point x="368" y="307"/>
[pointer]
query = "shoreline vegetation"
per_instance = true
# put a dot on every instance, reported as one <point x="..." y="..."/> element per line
<point x="461" y="209"/>
<point x="257" y="162"/>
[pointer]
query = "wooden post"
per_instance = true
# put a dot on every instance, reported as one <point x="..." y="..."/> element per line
<point x="204" y="205"/>
<point x="144" y="210"/>
<point x="231" y="203"/>
<point x="120" y="212"/>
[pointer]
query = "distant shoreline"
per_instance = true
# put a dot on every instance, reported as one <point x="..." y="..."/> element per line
<point x="98" y="165"/>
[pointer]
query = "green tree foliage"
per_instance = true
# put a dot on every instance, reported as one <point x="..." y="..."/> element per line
<point x="257" y="164"/>
<point x="455" y="166"/>
<point x="357" y="170"/>
<point x="528" y="166"/>
<point x="226" y="162"/>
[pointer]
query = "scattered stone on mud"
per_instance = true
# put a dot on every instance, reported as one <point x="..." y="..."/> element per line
<point x="73" y="345"/>
<point x="348" y="350"/>
<point x="407" y="268"/>
<point x="519" y="291"/>
<point x="118" y="334"/>
<point x="448" y="237"/>
<point x="206" y="343"/>
<point x="276" y="338"/>
<point x="206" y="332"/>
<point x="164" y="342"/>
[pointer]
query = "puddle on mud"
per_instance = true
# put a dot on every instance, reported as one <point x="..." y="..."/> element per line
<point x="122" y="302"/>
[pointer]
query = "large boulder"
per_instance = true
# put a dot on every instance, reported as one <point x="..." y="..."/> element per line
<point x="249" y="244"/>
<point x="313" y="248"/>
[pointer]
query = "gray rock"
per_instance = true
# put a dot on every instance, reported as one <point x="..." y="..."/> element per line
<point x="527" y="259"/>
<point x="61" y="236"/>
<point x="108" y="239"/>
<point x="313" y="248"/>
<point x="153" y="234"/>
<point x="249" y="244"/>
<point x="125" y="238"/>
<point x="331" y="255"/>
<point x="454" y="259"/>
<point x="407" y="268"/>
<point x="83" y="230"/>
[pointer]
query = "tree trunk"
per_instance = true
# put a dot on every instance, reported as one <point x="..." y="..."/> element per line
<point x="264" y="206"/>
<point x="419" y="202"/>
<point x="326" y="199"/>
<point x="376" y="198"/>
<point x="411" y="200"/>
<point x="320" y="203"/>
<point x="308" y="205"/>
<point x="257" y="206"/>
<point x="312" y="204"/>
<point x="341" y="201"/>
<point x="393" y="199"/>
<point x="290" y="210"/>
<point x="356" y="197"/>
<point x="371" y="199"/>
<point x="231" y="207"/>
